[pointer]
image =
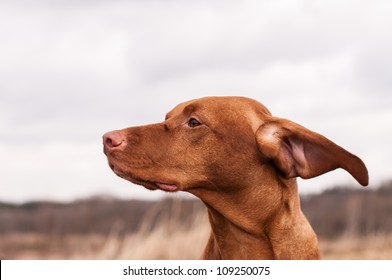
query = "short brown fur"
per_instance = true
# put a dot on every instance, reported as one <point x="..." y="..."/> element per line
<point x="242" y="163"/>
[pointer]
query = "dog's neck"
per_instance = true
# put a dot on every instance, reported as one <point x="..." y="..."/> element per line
<point x="247" y="225"/>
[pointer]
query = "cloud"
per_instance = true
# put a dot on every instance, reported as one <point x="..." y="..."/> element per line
<point x="72" y="70"/>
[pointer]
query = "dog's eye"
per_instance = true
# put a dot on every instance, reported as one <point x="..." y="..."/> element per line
<point x="193" y="122"/>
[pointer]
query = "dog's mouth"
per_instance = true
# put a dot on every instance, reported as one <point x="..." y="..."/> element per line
<point x="148" y="184"/>
<point x="151" y="185"/>
<point x="167" y="187"/>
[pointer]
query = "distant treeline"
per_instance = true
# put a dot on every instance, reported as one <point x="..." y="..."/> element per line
<point x="352" y="211"/>
<point x="333" y="213"/>
<point x="94" y="215"/>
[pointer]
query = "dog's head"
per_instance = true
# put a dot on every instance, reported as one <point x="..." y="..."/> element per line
<point x="222" y="142"/>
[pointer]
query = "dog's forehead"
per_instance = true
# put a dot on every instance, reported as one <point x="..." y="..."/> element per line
<point x="216" y="105"/>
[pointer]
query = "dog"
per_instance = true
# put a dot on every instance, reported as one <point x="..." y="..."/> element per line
<point x="242" y="162"/>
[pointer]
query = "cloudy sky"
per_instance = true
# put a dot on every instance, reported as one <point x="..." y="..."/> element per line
<point x="71" y="70"/>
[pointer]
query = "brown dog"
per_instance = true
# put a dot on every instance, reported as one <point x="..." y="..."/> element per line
<point x="242" y="163"/>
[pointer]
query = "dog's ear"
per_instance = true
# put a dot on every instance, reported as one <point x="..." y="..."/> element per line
<point x="297" y="151"/>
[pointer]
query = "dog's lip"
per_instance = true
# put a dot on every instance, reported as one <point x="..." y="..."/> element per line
<point x="167" y="187"/>
<point x="164" y="186"/>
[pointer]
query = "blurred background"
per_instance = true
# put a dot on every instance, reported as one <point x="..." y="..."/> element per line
<point x="72" y="70"/>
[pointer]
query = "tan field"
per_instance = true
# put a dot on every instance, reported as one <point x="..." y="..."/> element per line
<point x="169" y="240"/>
<point x="350" y="223"/>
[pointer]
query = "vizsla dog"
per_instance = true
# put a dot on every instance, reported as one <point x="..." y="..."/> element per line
<point x="242" y="163"/>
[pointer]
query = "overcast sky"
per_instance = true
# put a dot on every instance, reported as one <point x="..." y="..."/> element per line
<point x="71" y="70"/>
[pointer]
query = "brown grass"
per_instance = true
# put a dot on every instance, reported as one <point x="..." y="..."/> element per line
<point x="168" y="240"/>
<point x="372" y="247"/>
<point x="350" y="223"/>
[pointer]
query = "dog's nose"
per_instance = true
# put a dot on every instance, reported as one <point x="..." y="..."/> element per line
<point x="113" y="139"/>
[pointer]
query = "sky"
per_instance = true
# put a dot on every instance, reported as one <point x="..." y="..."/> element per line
<point x="71" y="70"/>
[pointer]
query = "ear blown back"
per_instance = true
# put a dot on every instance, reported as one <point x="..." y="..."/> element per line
<point x="297" y="151"/>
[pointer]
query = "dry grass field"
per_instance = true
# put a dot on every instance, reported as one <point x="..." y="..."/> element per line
<point x="169" y="240"/>
<point x="350" y="224"/>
